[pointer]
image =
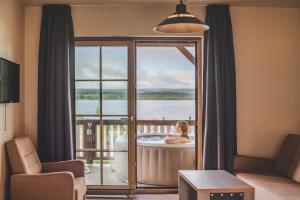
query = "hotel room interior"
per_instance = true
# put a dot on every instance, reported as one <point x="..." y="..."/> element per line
<point x="150" y="99"/>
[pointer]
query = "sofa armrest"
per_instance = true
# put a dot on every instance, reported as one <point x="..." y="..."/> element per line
<point x="74" y="166"/>
<point x="47" y="186"/>
<point x="242" y="163"/>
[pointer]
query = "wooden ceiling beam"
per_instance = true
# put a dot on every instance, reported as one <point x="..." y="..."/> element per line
<point x="186" y="53"/>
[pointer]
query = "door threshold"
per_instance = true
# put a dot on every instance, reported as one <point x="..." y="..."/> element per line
<point x="156" y="191"/>
<point x="108" y="196"/>
<point x="108" y="193"/>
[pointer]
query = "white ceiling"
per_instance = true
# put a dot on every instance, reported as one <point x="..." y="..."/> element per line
<point x="270" y="3"/>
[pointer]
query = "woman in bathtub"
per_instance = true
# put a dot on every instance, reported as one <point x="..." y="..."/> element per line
<point x="182" y="129"/>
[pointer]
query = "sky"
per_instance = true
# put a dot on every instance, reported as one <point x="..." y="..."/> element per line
<point x="164" y="67"/>
<point x="156" y="67"/>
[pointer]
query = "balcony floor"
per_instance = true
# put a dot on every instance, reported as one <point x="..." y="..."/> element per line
<point x="92" y="174"/>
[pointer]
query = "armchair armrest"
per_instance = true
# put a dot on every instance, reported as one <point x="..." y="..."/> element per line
<point x="252" y="163"/>
<point x="74" y="166"/>
<point x="47" y="186"/>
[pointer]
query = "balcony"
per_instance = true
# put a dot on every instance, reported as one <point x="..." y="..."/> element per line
<point x="88" y="143"/>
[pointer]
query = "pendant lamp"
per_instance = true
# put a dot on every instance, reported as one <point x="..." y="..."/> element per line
<point x="181" y="22"/>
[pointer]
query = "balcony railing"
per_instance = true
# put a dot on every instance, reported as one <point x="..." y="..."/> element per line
<point x="88" y="137"/>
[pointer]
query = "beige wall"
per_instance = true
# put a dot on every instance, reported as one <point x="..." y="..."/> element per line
<point x="11" y="26"/>
<point x="31" y="42"/>
<point x="122" y="20"/>
<point x="267" y="48"/>
<point x="267" y="63"/>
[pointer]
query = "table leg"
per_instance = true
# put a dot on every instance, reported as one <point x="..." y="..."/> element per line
<point x="186" y="192"/>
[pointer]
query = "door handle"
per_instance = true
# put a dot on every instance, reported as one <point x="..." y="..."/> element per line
<point x="131" y="118"/>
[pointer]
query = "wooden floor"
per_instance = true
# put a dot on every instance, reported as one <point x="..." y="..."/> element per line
<point x="142" y="197"/>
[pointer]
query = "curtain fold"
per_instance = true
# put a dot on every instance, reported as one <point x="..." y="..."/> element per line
<point x="56" y="140"/>
<point x="219" y="91"/>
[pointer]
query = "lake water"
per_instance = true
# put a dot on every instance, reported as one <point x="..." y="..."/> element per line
<point x="146" y="109"/>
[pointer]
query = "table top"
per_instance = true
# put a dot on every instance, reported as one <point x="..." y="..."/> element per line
<point x="214" y="181"/>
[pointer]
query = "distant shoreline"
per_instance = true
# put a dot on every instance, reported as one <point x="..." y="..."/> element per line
<point x="142" y="94"/>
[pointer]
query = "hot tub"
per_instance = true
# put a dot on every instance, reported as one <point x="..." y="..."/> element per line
<point x="157" y="163"/>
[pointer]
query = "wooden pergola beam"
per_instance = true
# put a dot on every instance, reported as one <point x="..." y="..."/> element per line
<point x="186" y="53"/>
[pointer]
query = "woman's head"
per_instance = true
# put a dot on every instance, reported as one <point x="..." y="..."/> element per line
<point x="182" y="127"/>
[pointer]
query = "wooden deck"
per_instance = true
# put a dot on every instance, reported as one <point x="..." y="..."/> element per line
<point x="94" y="145"/>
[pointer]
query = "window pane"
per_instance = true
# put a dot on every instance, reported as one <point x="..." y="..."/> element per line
<point x="115" y="138"/>
<point x="115" y="170"/>
<point x="165" y="83"/>
<point x="114" y="62"/>
<point x="87" y="98"/>
<point x="93" y="173"/>
<point x="87" y="63"/>
<point x="115" y="97"/>
<point x="88" y="147"/>
<point x="115" y="133"/>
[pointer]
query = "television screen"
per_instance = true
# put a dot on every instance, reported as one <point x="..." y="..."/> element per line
<point x="9" y="81"/>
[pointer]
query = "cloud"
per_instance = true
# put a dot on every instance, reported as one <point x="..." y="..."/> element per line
<point x="87" y="62"/>
<point x="87" y="85"/>
<point x="114" y="69"/>
<point x="165" y="79"/>
<point x="164" y="67"/>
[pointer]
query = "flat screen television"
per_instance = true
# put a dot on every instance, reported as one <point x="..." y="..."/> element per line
<point x="9" y="81"/>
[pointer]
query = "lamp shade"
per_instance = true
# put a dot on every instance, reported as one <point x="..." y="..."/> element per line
<point x="181" y="22"/>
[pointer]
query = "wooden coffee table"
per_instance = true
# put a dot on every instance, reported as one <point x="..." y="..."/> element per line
<point x="212" y="185"/>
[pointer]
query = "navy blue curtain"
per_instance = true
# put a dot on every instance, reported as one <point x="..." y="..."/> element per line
<point x="219" y="91"/>
<point x="56" y="140"/>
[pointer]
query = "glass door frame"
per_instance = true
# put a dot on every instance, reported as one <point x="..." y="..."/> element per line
<point x="131" y="188"/>
<point x="131" y="123"/>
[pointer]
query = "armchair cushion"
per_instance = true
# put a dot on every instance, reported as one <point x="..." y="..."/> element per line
<point x="271" y="187"/>
<point x="80" y="188"/>
<point x="288" y="158"/>
<point x="47" y="186"/>
<point x="296" y="166"/>
<point x="23" y="157"/>
<point x="74" y="166"/>
<point x="247" y="163"/>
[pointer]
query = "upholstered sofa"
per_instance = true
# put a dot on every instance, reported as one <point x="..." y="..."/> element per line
<point x="275" y="178"/>
<point x="33" y="180"/>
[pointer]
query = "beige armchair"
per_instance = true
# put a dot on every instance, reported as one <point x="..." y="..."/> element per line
<point x="33" y="180"/>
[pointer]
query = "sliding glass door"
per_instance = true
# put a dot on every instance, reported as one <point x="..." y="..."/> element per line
<point x="129" y="96"/>
<point x="102" y="113"/>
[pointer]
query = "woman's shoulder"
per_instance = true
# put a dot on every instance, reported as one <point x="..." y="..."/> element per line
<point x="185" y="140"/>
<point x="171" y="140"/>
<point x="177" y="140"/>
